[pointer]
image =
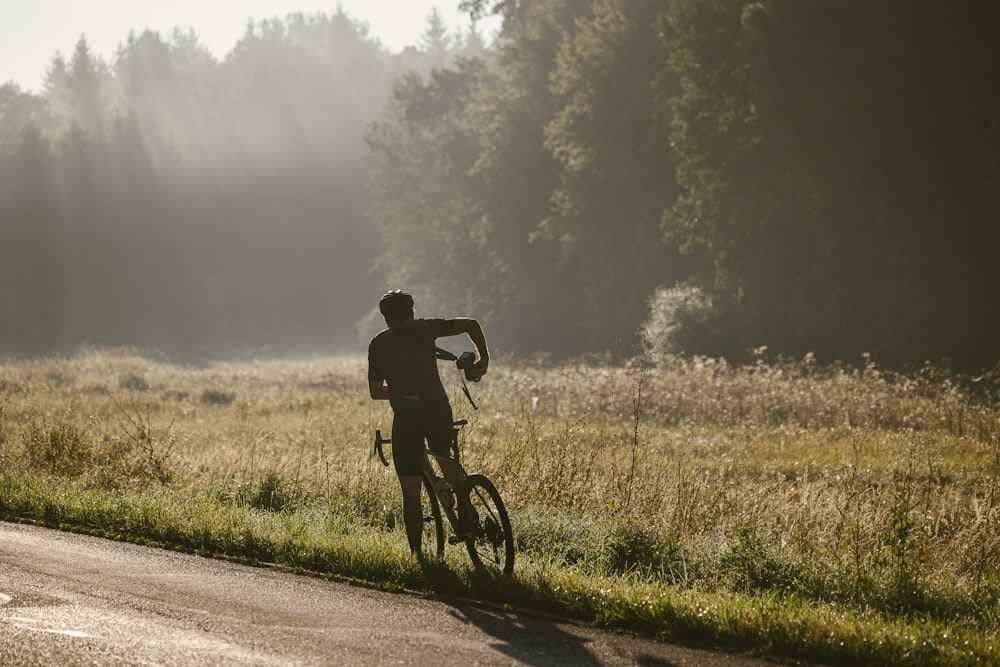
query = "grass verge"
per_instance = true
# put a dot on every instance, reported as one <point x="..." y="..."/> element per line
<point x="320" y="544"/>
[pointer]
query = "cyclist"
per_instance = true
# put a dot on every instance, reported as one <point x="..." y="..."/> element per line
<point x="402" y="369"/>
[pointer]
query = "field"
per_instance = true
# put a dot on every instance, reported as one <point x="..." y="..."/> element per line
<point x="796" y="510"/>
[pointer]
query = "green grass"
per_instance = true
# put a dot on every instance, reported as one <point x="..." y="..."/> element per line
<point x="799" y="511"/>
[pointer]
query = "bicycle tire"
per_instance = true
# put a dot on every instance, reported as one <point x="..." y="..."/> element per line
<point x="432" y="539"/>
<point x="492" y="540"/>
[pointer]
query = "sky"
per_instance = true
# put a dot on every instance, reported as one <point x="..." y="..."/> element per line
<point x="33" y="31"/>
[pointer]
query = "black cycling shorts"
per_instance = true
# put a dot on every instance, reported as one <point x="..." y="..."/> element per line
<point x="412" y="426"/>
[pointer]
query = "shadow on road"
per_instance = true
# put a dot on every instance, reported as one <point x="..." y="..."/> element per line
<point x="547" y="643"/>
<point x="539" y="640"/>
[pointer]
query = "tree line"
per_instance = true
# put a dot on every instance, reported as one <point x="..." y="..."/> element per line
<point x="818" y="178"/>
<point x="171" y="198"/>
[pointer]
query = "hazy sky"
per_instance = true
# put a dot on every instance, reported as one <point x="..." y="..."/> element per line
<point x="32" y="31"/>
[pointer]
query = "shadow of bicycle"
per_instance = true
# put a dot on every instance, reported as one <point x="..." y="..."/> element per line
<point x="531" y="639"/>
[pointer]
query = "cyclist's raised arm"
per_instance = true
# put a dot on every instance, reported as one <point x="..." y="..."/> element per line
<point x="474" y="330"/>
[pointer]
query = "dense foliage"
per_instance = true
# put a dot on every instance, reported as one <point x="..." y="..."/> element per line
<point x="567" y="167"/>
<point x="825" y="174"/>
<point x="839" y="169"/>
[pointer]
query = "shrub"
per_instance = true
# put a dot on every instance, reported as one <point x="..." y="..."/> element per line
<point x="271" y="493"/>
<point x="56" y="446"/>
<point x="216" y="397"/>
<point x="633" y="546"/>
<point x="673" y="313"/>
<point x="133" y="382"/>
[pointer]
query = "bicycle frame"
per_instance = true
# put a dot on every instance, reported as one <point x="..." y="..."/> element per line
<point x="486" y="532"/>
<point x="458" y="516"/>
<point x="456" y="519"/>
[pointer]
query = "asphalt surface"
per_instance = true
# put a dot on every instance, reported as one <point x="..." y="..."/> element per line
<point x="69" y="599"/>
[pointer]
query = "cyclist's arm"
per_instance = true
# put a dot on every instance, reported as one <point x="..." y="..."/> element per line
<point x="379" y="391"/>
<point x="474" y="330"/>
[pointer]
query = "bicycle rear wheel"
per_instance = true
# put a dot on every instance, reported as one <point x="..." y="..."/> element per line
<point x="492" y="541"/>
<point x="432" y="540"/>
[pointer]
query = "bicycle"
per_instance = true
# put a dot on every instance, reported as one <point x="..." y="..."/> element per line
<point x="479" y="517"/>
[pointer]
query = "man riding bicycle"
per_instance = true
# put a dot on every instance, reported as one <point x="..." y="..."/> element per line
<point x="402" y="368"/>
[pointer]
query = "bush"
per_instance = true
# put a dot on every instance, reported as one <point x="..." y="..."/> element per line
<point x="675" y="316"/>
<point x="215" y="397"/>
<point x="633" y="546"/>
<point x="271" y="493"/>
<point x="133" y="382"/>
<point x="56" y="446"/>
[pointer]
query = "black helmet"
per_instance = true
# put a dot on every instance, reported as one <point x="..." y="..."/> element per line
<point x="395" y="303"/>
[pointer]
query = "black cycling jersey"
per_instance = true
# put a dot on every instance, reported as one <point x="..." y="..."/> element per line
<point x="403" y="356"/>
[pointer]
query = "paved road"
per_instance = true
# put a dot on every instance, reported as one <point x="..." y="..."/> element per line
<point x="75" y="600"/>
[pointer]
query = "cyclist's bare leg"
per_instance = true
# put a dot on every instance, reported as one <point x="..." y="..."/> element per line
<point x="413" y="517"/>
<point x="455" y="477"/>
<point x="450" y="471"/>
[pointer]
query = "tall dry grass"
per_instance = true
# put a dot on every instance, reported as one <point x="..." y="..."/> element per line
<point x="829" y="484"/>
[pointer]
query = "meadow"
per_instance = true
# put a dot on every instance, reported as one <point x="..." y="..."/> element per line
<point x="845" y="514"/>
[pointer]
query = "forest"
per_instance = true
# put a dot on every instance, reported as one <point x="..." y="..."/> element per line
<point x="698" y="177"/>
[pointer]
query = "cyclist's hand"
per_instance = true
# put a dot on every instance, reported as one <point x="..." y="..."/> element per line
<point x="478" y="369"/>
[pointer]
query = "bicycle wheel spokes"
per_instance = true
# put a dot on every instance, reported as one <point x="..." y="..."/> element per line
<point x="432" y="541"/>
<point x="491" y="542"/>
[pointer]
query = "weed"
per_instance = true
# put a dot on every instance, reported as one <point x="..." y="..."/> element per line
<point x="750" y="566"/>
<point x="905" y="539"/>
<point x="133" y="382"/>
<point x="217" y="397"/>
<point x="55" y="444"/>
<point x="632" y="546"/>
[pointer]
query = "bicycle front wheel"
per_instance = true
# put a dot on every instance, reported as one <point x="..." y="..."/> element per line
<point x="432" y="540"/>
<point x="492" y="541"/>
